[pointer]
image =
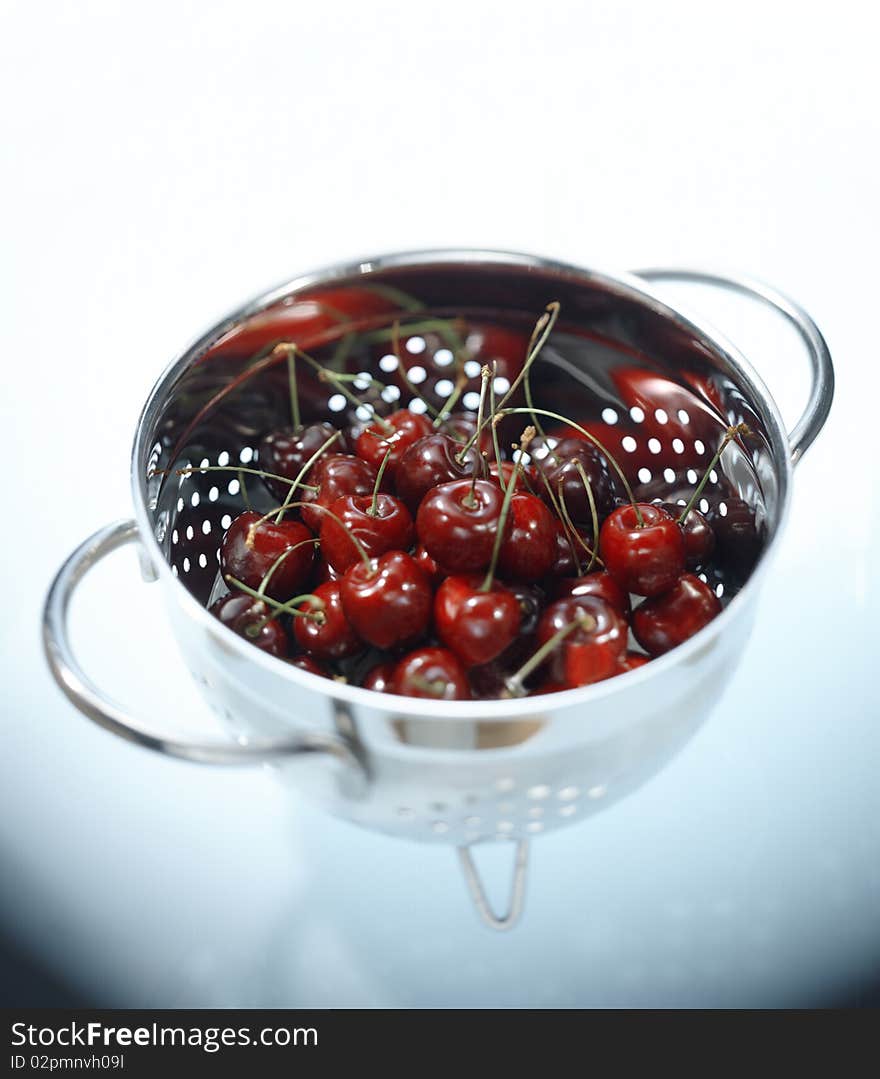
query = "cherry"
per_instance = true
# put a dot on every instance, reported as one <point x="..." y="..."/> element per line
<point x="457" y="523"/>
<point x="528" y="550"/>
<point x="663" y="622"/>
<point x="252" y="545"/>
<point x="429" y="462"/>
<point x="644" y="556"/>
<point x="591" y="652"/>
<point x="461" y="428"/>
<point x="699" y="539"/>
<point x="328" y="634"/>
<point x="600" y="583"/>
<point x="525" y="475"/>
<point x="632" y="660"/>
<point x="740" y="537"/>
<point x="560" y="466"/>
<point x="396" y="433"/>
<point x="428" y="565"/>
<point x="490" y="679"/>
<point x="434" y="673"/>
<point x="564" y="564"/>
<point x="381" y="523"/>
<point x="477" y="625"/>
<point x="306" y="663"/>
<point x="251" y="618"/>
<point x="387" y="601"/>
<point x="335" y="475"/>
<point x="379" y="678"/>
<point x="284" y="450"/>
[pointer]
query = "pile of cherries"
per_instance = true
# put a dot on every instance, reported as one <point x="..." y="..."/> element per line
<point x="414" y="557"/>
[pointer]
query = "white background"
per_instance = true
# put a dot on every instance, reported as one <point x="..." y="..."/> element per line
<point x="160" y="164"/>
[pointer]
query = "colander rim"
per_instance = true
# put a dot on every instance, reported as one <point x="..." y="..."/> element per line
<point x="625" y="284"/>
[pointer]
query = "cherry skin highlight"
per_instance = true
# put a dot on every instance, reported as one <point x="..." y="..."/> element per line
<point x="645" y="560"/>
<point x="251" y="546"/>
<point x="247" y="616"/>
<point x="387" y="603"/>
<point x="329" y="634"/>
<point x="477" y="626"/>
<point x="379" y="678"/>
<point x="390" y="528"/>
<point x="664" y="622"/>
<point x="433" y="673"/>
<point x="457" y="523"/>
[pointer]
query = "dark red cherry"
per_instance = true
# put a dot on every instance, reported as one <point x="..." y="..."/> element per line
<point x="306" y="663"/>
<point x="477" y="626"/>
<point x="323" y="572"/>
<point x="739" y="535"/>
<point x="390" y="528"/>
<point x="632" y="660"/>
<point x="646" y="558"/>
<point x="328" y="634"/>
<point x="527" y="478"/>
<point x="335" y="475"/>
<point x="560" y="467"/>
<point x="490" y="680"/>
<point x="388" y="603"/>
<point x="699" y="539"/>
<point x="434" y="673"/>
<point x="250" y="549"/>
<point x="456" y="523"/>
<point x="663" y="622"/>
<point x="430" y="462"/>
<point x="529" y="548"/>
<point x="587" y="654"/>
<point x="247" y="616"/>
<point x="563" y="563"/>
<point x="285" y="450"/>
<point x="428" y="565"/>
<point x="462" y="426"/>
<point x="378" y="678"/>
<point x="600" y="583"/>
<point x="374" y="442"/>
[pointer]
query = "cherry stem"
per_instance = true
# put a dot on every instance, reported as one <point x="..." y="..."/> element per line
<point x="524" y="441"/>
<point x="578" y="538"/>
<point x="567" y="526"/>
<point x="374" y="505"/>
<point x="265" y="581"/>
<point x="395" y="295"/>
<point x="401" y="367"/>
<point x="495" y="444"/>
<point x="326" y="375"/>
<point x="542" y="330"/>
<point x="514" y="684"/>
<point x="470" y="499"/>
<point x="730" y="435"/>
<point x="294" y="393"/>
<point x="594" y="516"/>
<point x="590" y="438"/>
<point x="303" y="472"/>
<point x="276" y="605"/>
<point x="361" y="550"/>
<point x="238" y="469"/>
<point x="244" y="491"/>
<point x="450" y="402"/>
<point x="444" y="327"/>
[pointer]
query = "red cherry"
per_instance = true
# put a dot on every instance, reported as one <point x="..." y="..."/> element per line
<point x="457" y="523"/>
<point x="374" y="442"/>
<point x="387" y="603"/>
<point x="645" y="559"/>
<point x="428" y="565"/>
<point x="663" y="622"/>
<point x="490" y="680"/>
<point x="379" y="678"/>
<point x="526" y="476"/>
<point x="250" y="549"/>
<point x="632" y="660"/>
<point x="477" y="626"/>
<point x="461" y="428"/>
<point x="247" y="616"/>
<point x="335" y="475"/>
<point x="560" y="466"/>
<point x="284" y="450"/>
<point x="587" y="654"/>
<point x="430" y="462"/>
<point x="389" y="528"/>
<point x="434" y="673"/>
<point x="699" y="539"/>
<point x="306" y="663"/>
<point x="600" y="583"/>
<point x="529" y="548"/>
<point x="329" y="635"/>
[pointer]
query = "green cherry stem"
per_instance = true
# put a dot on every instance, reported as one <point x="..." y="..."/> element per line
<point x="495" y="444"/>
<point x="568" y="528"/>
<point x="514" y="684"/>
<point x="527" y="437"/>
<point x="374" y="505"/>
<point x="730" y="435"/>
<point x="326" y="375"/>
<point x="280" y="608"/>
<point x="294" y="393"/>
<point x="301" y="475"/>
<point x="594" y="516"/>
<point x="239" y="469"/>
<point x="470" y="499"/>
<point x="264" y="584"/>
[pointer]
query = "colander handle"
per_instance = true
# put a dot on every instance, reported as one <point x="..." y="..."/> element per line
<point x="822" y="389"/>
<point x="112" y="717"/>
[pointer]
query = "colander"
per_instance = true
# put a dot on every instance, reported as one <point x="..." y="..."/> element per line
<point x="657" y="386"/>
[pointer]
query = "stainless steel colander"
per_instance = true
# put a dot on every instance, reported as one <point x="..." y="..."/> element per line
<point x="658" y="387"/>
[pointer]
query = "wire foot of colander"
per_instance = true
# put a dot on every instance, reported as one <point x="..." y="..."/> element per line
<point x="517" y="888"/>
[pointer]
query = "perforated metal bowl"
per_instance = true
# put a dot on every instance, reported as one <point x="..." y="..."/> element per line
<point x="659" y="387"/>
